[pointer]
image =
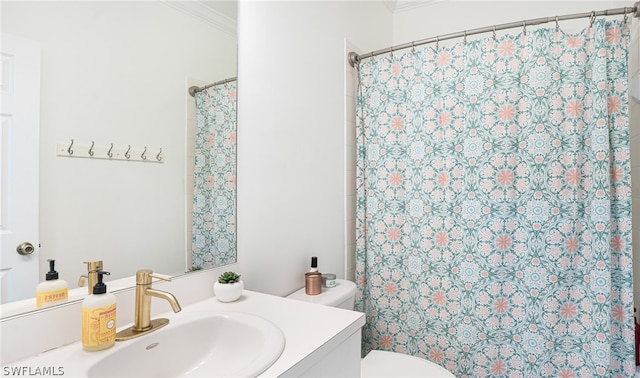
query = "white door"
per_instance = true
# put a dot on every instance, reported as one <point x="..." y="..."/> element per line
<point x="19" y="147"/>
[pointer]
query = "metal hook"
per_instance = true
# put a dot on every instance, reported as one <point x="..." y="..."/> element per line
<point x="144" y="153"/>
<point x="437" y="43"/>
<point x="91" y="149"/>
<point x="524" y="28"/>
<point x="465" y="37"/>
<point x="495" y="38"/>
<point x="413" y="46"/>
<point x="557" y="25"/>
<point x="109" y="153"/>
<point x="159" y="155"/>
<point x="592" y="19"/>
<point x="69" y="150"/>
<point x="391" y="52"/>
<point x="626" y="16"/>
<point x="126" y="154"/>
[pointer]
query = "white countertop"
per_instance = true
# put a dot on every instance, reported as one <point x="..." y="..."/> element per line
<point x="311" y="331"/>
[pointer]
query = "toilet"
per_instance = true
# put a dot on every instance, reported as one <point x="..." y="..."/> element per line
<point x="377" y="363"/>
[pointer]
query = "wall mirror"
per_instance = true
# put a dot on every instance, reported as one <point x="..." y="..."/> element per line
<point x="116" y="74"/>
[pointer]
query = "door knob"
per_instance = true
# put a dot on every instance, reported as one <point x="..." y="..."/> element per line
<point x="25" y="248"/>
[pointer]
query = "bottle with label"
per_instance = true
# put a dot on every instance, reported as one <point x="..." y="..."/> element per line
<point x="99" y="318"/>
<point x="53" y="290"/>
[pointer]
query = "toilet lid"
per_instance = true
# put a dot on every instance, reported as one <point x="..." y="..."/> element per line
<point x="380" y="363"/>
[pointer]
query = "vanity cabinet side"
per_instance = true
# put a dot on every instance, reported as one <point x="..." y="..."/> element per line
<point x="342" y="361"/>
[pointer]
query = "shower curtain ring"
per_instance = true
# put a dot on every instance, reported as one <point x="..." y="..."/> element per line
<point x="465" y="37"/>
<point x="524" y="27"/>
<point x="391" y="52"/>
<point x="626" y="16"/>
<point x="495" y="38"/>
<point x="557" y="25"/>
<point x="437" y="42"/>
<point x="592" y="19"/>
<point x="413" y="46"/>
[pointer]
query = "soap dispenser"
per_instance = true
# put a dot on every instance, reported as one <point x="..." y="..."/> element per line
<point x="99" y="317"/>
<point x="313" y="279"/>
<point x="53" y="290"/>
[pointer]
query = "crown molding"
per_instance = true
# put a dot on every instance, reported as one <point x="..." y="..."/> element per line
<point x="391" y="4"/>
<point x="403" y="5"/>
<point x="206" y="14"/>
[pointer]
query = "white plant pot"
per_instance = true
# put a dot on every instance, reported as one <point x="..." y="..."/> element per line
<point x="228" y="292"/>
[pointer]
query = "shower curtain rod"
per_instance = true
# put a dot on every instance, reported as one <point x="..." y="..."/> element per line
<point x="355" y="58"/>
<point x="195" y="89"/>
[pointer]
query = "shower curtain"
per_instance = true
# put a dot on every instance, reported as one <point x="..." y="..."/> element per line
<point x="494" y="204"/>
<point x="214" y="198"/>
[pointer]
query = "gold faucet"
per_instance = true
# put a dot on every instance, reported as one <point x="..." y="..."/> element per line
<point x="142" y="323"/>
<point x="92" y="274"/>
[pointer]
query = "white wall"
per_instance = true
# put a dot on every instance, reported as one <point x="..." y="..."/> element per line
<point x="291" y="134"/>
<point x="116" y="72"/>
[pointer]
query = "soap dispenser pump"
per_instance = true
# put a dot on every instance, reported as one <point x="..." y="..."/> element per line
<point x="99" y="317"/>
<point x="92" y="275"/>
<point x="53" y="290"/>
<point x="314" y="264"/>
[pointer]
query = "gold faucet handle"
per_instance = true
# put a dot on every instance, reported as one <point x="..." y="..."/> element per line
<point x="144" y="276"/>
<point x="82" y="280"/>
<point x="93" y="266"/>
<point x="163" y="277"/>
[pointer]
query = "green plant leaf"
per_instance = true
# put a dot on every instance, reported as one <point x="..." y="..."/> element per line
<point x="229" y="277"/>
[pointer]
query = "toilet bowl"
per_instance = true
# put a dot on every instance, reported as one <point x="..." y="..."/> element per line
<point x="376" y="363"/>
<point x="380" y="363"/>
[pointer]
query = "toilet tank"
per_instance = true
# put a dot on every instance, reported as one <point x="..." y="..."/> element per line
<point x="343" y="295"/>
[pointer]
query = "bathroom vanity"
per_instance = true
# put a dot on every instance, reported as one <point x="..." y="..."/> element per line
<point x="318" y="340"/>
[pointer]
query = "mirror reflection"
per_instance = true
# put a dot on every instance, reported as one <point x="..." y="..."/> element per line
<point x="213" y="212"/>
<point x="118" y="73"/>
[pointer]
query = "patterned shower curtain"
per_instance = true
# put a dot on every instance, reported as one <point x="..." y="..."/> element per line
<point x="494" y="204"/>
<point x="214" y="198"/>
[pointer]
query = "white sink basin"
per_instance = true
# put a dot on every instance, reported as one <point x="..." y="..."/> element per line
<point x="197" y="344"/>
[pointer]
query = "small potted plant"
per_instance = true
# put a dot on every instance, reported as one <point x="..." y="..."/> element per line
<point x="228" y="287"/>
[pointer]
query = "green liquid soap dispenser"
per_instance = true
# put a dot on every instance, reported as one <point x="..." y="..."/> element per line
<point x="99" y="317"/>
<point x="53" y="290"/>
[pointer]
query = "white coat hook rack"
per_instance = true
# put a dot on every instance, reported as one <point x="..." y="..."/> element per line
<point x="110" y="152"/>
